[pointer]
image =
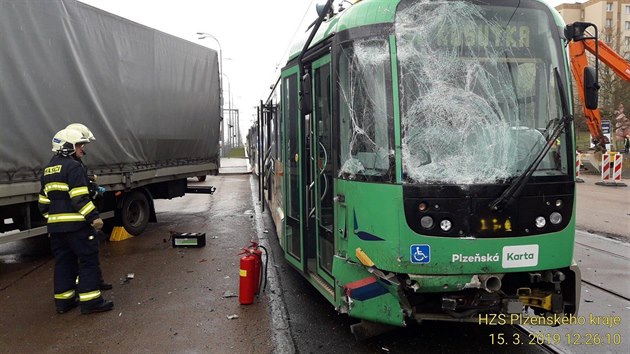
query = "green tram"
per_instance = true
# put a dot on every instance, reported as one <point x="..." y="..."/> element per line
<point x="419" y="160"/>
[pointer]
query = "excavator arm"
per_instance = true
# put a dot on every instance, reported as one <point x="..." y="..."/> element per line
<point x="577" y="52"/>
<point x="609" y="57"/>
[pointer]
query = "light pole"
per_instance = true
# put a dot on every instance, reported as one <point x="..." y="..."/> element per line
<point x="229" y="110"/>
<point x="229" y="91"/>
<point x="204" y="35"/>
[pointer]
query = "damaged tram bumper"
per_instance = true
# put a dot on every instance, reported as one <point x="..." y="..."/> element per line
<point x="480" y="298"/>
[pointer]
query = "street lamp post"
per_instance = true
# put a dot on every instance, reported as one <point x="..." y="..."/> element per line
<point x="229" y="108"/>
<point x="229" y="91"/>
<point x="204" y="35"/>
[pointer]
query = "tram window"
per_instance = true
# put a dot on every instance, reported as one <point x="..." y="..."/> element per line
<point x="279" y="131"/>
<point x="290" y="111"/>
<point x="364" y="118"/>
<point x="476" y="95"/>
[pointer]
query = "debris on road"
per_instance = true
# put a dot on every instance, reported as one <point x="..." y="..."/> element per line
<point x="228" y="294"/>
<point x="127" y="278"/>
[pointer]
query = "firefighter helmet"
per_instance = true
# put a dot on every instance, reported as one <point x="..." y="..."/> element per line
<point x="85" y="131"/>
<point x="65" y="140"/>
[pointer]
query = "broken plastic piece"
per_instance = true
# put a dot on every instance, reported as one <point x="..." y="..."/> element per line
<point x="228" y="294"/>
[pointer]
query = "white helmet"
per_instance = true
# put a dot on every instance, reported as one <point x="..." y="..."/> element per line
<point x="64" y="141"/>
<point x="85" y="131"/>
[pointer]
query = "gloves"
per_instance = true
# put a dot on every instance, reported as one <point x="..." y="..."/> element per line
<point x="97" y="223"/>
<point x="95" y="190"/>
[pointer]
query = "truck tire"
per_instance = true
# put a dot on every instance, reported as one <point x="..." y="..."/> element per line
<point x="135" y="212"/>
<point x="201" y="178"/>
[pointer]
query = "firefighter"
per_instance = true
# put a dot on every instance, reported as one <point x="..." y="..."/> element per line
<point x="72" y="218"/>
<point x="94" y="189"/>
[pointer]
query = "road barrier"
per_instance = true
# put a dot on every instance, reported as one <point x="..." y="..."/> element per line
<point x="605" y="167"/>
<point x="618" y="161"/>
<point x="611" y="175"/>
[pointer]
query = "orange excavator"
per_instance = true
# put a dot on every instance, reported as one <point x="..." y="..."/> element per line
<point x="580" y="41"/>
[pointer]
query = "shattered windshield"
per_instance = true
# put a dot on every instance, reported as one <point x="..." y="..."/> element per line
<point x="477" y="91"/>
<point x="365" y="96"/>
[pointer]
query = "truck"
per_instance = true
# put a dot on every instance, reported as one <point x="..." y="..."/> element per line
<point x="152" y="100"/>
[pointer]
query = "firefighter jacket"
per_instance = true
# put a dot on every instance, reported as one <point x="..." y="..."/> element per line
<point x="64" y="197"/>
<point x="93" y="188"/>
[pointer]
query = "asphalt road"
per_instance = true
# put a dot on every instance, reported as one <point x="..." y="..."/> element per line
<point x="603" y="210"/>
<point x="178" y="300"/>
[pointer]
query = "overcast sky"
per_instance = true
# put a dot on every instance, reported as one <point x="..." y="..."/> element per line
<point x="254" y="36"/>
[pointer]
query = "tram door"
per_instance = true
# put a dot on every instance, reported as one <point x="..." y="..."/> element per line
<point x="292" y="124"/>
<point x="308" y="172"/>
<point x="320" y="239"/>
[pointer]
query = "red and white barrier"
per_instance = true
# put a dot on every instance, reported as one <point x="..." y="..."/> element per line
<point x="605" y="167"/>
<point x="611" y="176"/>
<point x="616" y="172"/>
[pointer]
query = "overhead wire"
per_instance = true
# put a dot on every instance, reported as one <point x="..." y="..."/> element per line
<point x="288" y="47"/>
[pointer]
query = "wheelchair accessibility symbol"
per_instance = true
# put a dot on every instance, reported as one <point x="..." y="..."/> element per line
<point x="420" y="254"/>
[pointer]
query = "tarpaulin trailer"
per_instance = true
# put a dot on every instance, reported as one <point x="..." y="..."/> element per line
<point x="151" y="99"/>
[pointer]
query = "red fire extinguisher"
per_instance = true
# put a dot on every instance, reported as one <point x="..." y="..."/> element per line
<point x="251" y="274"/>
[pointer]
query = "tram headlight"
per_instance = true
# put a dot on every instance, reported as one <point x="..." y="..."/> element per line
<point x="558" y="203"/>
<point x="446" y="225"/>
<point x="426" y="222"/>
<point x="541" y="222"/>
<point x="555" y="218"/>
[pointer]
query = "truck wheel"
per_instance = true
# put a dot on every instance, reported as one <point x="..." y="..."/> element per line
<point x="201" y="178"/>
<point x="135" y="213"/>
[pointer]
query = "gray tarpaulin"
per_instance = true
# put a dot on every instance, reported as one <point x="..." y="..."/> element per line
<point x="150" y="98"/>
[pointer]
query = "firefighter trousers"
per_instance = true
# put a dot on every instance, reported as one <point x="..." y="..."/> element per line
<point x="76" y="254"/>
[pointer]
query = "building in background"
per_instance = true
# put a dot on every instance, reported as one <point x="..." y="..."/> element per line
<point x="612" y="18"/>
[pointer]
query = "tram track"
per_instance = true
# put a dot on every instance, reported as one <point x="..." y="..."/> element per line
<point x="620" y="256"/>
<point x="605" y="253"/>
<point x="608" y="291"/>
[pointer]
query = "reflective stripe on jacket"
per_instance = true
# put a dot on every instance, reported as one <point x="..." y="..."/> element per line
<point x="64" y="197"/>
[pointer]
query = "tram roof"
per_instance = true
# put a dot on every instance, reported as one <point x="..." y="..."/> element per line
<point x="362" y="13"/>
<point x="366" y="12"/>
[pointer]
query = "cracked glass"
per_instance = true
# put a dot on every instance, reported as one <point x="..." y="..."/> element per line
<point x="365" y="141"/>
<point x="477" y="91"/>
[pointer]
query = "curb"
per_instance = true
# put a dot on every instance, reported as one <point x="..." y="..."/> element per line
<point x="281" y="337"/>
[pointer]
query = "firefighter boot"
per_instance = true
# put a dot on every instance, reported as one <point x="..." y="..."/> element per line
<point x="101" y="305"/>
<point x="105" y="286"/>
<point x="65" y="306"/>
